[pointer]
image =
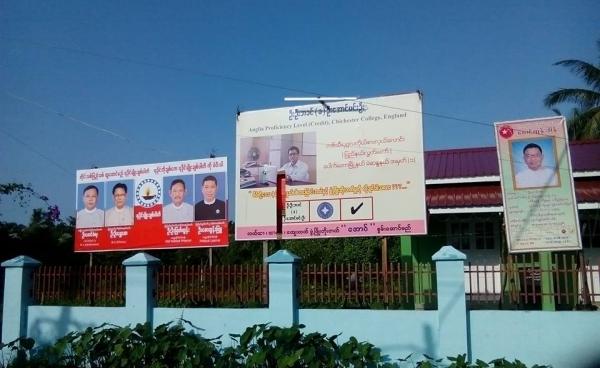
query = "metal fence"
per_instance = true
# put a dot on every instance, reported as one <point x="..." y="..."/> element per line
<point x="79" y="285"/>
<point x="394" y="286"/>
<point x="223" y="285"/>
<point x="571" y="283"/>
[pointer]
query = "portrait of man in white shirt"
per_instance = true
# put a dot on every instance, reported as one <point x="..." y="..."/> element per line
<point x="536" y="173"/>
<point x="90" y="215"/>
<point x="295" y="169"/>
<point x="121" y="214"/>
<point x="178" y="210"/>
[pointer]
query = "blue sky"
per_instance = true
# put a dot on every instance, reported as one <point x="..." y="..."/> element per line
<point x="110" y="83"/>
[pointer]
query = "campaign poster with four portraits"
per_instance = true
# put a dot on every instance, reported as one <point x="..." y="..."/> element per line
<point x="540" y="209"/>
<point x="181" y="204"/>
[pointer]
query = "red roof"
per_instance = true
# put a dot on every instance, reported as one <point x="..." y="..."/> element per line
<point x="490" y="194"/>
<point x="444" y="196"/>
<point x="477" y="162"/>
<point x="585" y="155"/>
<point x="483" y="161"/>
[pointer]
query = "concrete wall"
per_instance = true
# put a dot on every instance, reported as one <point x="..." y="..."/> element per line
<point x="214" y="322"/>
<point x="562" y="339"/>
<point x="48" y="323"/>
<point x="397" y="333"/>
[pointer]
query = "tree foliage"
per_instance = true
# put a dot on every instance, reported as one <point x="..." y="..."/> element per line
<point x="47" y="237"/>
<point x="584" y="122"/>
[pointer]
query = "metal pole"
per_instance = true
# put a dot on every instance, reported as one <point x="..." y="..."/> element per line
<point x="280" y="205"/>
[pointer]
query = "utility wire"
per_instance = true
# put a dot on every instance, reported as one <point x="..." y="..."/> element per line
<point x="475" y="122"/>
<point x="68" y="117"/>
<point x="217" y="76"/>
<point x="222" y="76"/>
<point x="34" y="150"/>
<point x="161" y="66"/>
<point x="81" y="122"/>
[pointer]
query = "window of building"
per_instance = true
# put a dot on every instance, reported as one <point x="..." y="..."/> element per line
<point x="474" y="231"/>
<point x="590" y="228"/>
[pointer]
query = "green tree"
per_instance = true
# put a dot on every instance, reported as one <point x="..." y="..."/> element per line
<point x="47" y="238"/>
<point x="584" y="122"/>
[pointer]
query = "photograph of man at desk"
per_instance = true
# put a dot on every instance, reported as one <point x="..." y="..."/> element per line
<point x="266" y="155"/>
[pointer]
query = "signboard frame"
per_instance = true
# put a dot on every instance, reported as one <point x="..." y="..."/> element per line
<point x="354" y="159"/>
<point x="540" y="207"/>
<point x="168" y="205"/>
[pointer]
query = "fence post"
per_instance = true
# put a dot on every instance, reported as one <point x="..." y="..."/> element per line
<point x="140" y="287"/>
<point x="452" y="309"/>
<point x="283" y="288"/>
<point x="17" y="296"/>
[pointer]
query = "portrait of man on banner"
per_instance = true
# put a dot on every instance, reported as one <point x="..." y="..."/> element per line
<point x="534" y="163"/>
<point x="176" y="205"/>
<point x="121" y="214"/>
<point x="210" y="206"/>
<point x="89" y="205"/>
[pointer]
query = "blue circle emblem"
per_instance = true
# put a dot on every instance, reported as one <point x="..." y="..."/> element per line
<point x="325" y="210"/>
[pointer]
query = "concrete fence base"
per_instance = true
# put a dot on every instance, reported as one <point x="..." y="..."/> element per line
<point x="563" y="339"/>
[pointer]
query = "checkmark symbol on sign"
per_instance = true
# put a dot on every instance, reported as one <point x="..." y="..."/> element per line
<point x="355" y="210"/>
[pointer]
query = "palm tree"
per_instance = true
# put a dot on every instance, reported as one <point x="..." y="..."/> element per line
<point x="584" y="122"/>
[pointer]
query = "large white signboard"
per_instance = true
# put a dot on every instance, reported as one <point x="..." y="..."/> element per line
<point x="540" y="210"/>
<point x="353" y="169"/>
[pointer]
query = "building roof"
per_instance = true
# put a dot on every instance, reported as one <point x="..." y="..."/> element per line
<point x="489" y="195"/>
<point x="469" y="177"/>
<point x="444" y="196"/>
<point x="483" y="161"/>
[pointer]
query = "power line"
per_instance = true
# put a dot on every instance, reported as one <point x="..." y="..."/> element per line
<point x="34" y="150"/>
<point x="219" y="76"/>
<point x="475" y="122"/>
<point x="222" y="76"/>
<point x="81" y="122"/>
<point x="162" y="66"/>
<point x="68" y="117"/>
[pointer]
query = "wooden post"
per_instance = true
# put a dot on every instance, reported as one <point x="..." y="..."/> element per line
<point x="585" y="291"/>
<point x="265" y="250"/>
<point x="384" y="254"/>
<point x="384" y="267"/>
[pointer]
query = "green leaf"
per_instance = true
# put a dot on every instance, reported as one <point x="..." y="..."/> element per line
<point x="247" y="336"/>
<point x="481" y="364"/>
<point x="27" y="343"/>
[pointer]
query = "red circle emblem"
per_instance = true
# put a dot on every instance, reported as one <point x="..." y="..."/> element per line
<point x="506" y="131"/>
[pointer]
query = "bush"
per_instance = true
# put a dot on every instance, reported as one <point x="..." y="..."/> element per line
<point x="170" y="345"/>
<point x="264" y="346"/>
<point x="113" y="346"/>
